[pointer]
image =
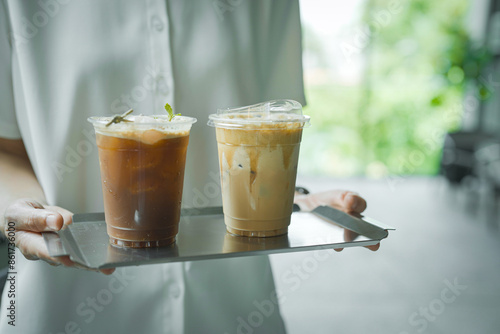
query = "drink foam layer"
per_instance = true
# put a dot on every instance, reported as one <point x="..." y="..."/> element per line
<point x="146" y="128"/>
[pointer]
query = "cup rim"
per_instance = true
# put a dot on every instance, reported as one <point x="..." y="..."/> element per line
<point x="224" y="122"/>
<point x="176" y="121"/>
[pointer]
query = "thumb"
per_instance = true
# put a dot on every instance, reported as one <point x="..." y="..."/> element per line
<point x="29" y="215"/>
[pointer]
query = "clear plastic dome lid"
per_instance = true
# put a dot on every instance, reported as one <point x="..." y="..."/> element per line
<point x="271" y="114"/>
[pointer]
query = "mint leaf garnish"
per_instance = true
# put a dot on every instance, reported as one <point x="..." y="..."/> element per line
<point x="170" y="112"/>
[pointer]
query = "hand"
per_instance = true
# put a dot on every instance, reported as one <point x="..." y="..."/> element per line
<point x="30" y="219"/>
<point x="346" y="201"/>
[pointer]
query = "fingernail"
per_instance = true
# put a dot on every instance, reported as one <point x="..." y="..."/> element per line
<point x="51" y="222"/>
<point x="350" y="202"/>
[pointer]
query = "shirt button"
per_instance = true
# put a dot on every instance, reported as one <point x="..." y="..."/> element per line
<point x="175" y="291"/>
<point x="157" y="23"/>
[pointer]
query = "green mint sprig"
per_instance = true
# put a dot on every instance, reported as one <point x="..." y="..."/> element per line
<point x="170" y="112"/>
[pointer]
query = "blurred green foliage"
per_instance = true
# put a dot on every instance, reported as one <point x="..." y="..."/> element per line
<point x="419" y="61"/>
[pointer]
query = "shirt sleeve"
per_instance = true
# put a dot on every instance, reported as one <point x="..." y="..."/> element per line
<point x="8" y="122"/>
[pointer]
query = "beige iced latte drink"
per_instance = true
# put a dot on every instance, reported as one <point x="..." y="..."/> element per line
<point x="258" y="154"/>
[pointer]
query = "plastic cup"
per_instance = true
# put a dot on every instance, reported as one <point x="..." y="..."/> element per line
<point x="142" y="174"/>
<point x="258" y="154"/>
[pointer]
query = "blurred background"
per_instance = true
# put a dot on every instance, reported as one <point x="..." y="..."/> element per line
<point x="386" y="80"/>
<point x="404" y="99"/>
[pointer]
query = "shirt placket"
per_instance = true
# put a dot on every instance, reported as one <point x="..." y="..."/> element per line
<point x="160" y="68"/>
<point x="173" y="296"/>
<point x="161" y="58"/>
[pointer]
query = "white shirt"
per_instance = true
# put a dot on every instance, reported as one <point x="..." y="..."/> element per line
<point x="63" y="61"/>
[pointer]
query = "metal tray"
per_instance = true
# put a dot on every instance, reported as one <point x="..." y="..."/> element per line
<point x="202" y="235"/>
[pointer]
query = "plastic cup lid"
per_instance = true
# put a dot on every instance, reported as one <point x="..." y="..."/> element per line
<point x="271" y="114"/>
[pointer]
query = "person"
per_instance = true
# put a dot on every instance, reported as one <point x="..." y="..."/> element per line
<point x="63" y="61"/>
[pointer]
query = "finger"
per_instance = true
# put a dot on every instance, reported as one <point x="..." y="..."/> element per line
<point x="66" y="214"/>
<point x="31" y="216"/>
<point x="350" y="235"/>
<point x="107" y="271"/>
<point x="64" y="260"/>
<point x="373" y="248"/>
<point x="53" y="264"/>
<point x="81" y="266"/>
<point x="352" y="202"/>
<point x="344" y="200"/>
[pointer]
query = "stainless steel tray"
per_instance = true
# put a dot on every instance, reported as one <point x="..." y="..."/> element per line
<point x="202" y="235"/>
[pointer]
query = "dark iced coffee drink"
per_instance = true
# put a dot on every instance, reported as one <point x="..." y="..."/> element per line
<point x="142" y="174"/>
